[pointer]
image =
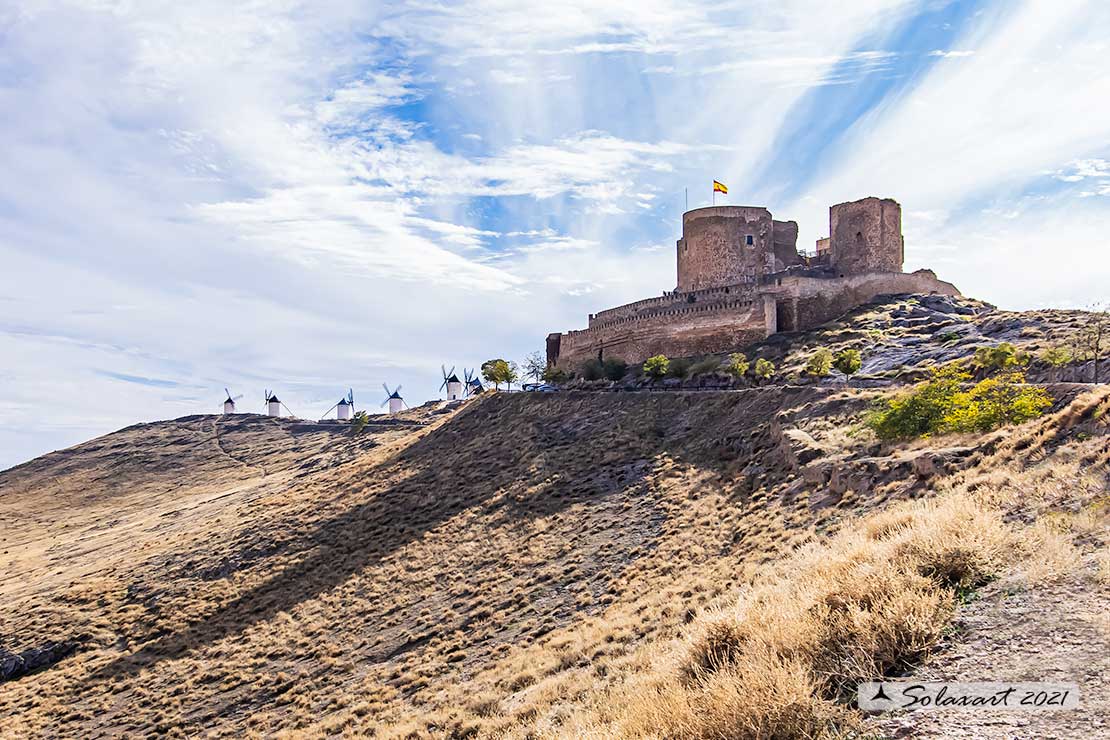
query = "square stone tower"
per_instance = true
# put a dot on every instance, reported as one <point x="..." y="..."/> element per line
<point x="866" y="236"/>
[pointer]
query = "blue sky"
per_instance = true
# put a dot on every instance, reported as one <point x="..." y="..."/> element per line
<point x="307" y="197"/>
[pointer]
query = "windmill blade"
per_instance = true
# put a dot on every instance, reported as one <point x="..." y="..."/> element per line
<point x="351" y="396"/>
<point x="237" y="398"/>
<point x="444" y="369"/>
<point x="443" y="384"/>
<point x="325" y="413"/>
<point x="228" y="393"/>
<point x="385" y="388"/>
<point x="384" y="402"/>
<point x="397" y="389"/>
<point x="452" y="371"/>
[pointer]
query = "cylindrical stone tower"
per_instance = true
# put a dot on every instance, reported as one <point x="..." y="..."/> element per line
<point x="724" y="245"/>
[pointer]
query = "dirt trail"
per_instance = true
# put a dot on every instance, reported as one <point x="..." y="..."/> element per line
<point x="1056" y="632"/>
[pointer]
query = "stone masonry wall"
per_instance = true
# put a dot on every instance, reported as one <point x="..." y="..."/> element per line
<point x="683" y="330"/>
<point x="714" y="250"/>
<point x="807" y="302"/>
<point x="866" y="236"/>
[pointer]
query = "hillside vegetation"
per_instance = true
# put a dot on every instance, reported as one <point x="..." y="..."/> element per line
<point x="687" y="563"/>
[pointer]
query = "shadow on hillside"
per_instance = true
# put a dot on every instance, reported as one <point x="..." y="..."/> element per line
<point x="458" y="466"/>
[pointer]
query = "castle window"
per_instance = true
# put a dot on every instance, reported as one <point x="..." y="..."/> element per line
<point x="750" y="240"/>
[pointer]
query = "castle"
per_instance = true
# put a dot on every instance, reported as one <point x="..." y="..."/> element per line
<point x="741" y="279"/>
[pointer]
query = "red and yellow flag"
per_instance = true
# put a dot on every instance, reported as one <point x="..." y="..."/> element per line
<point x="719" y="187"/>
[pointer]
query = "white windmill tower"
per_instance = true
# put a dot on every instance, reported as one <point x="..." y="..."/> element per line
<point x="345" y="409"/>
<point x="229" y="404"/>
<point x="393" y="398"/>
<point x="273" y="404"/>
<point x="452" y="383"/>
<point x="473" y="383"/>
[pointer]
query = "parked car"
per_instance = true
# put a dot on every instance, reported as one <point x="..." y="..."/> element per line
<point x="539" y="388"/>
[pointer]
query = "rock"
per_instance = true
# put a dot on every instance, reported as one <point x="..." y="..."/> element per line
<point x="13" y="666"/>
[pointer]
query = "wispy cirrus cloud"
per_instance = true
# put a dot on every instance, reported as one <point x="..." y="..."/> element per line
<point x="316" y="197"/>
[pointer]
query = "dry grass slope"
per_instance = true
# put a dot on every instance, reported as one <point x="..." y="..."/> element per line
<point x="532" y="565"/>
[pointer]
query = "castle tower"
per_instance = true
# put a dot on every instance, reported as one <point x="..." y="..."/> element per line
<point x="724" y="245"/>
<point x="729" y="245"/>
<point x="866" y="236"/>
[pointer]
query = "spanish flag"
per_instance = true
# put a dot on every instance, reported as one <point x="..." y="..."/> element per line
<point x="719" y="187"/>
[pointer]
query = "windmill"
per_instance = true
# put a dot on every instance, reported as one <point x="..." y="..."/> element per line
<point x="451" y="383"/>
<point x="473" y="383"/>
<point x="393" y="398"/>
<point x="273" y="404"/>
<point x="229" y="404"/>
<point x="345" y="409"/>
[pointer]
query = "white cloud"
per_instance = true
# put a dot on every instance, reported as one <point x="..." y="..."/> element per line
<point x="254" y="195"/>
<point x="1028" y="107"/>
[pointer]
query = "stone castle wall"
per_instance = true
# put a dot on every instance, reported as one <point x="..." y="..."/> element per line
<point x="740" y="279"/>
<point x="675" y="327"/>
<point x="681" y="329"/>
<point x="804" y="302"/>
<point x="714" y="250"/>
<point x="866" y="236"/>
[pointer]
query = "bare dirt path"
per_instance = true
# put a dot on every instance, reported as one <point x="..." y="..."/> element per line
<point x="1058" y="632"/>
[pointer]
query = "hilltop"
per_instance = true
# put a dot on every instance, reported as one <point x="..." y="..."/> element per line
<point x="537" y="564"/>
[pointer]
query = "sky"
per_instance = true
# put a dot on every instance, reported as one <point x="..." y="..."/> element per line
<point x="307" y="197"/>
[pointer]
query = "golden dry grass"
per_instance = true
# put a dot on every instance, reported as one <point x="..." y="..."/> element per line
<point x="530" y="566"/>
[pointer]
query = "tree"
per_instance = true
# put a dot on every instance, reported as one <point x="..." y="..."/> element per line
<point x="1003" y="356"/>
<point x="737" y="365"/>
<point x="1091" y="341"/>
<point x="656" y="367"/>
<point x="848" y="361"/>
<point x="819" y="363"/>
<point x="614" y="368"/>
<point x="359" y="422"/>
<point x="1055" y="357"/>
<point x="534" y="366"/>
<point x="940" y="405"/>
<point x="763" y="369"/>
<point x="495" y="371"/>
<point x="592" y="369"/>
<point x="510" y="373"/>
<point x="555" y="375"/>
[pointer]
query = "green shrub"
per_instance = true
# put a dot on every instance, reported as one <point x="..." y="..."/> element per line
<point x="1055" y="356"/>
<point x="705" y="366"/>
<point x="940" y="405"/>
<point x="592" y="370"/>
<point x="553" y="374"/>
<point x="848" y="361"/>
<point x="996" y="402"/>
<point x="1001" y="357"/>
<point x="763" y="369"/>
<point x="359" y="422"/>
<point x="737" y="365"/>
<point x="679" y="367"/>
<point x="656" y="367"/>
<point x="819" y="363"/>
<point x="613" y="368"/>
